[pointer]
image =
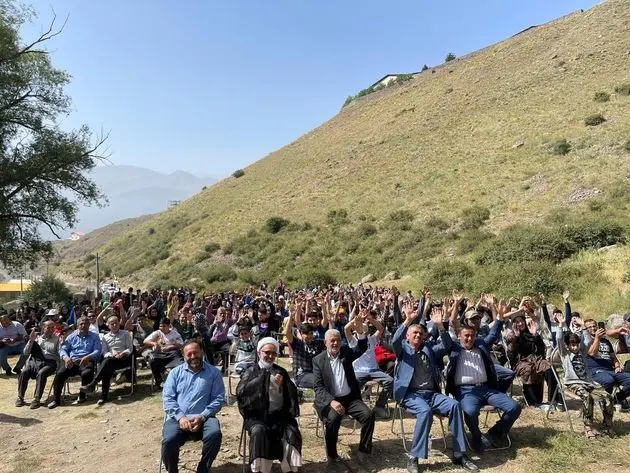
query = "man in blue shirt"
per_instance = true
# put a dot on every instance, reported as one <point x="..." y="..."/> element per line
<point x="192" y="396"/>
<point x="78" y="353"/>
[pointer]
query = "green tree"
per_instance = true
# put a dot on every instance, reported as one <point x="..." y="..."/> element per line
<point x="450" y="57"/>
<point x="49" y="288"/>
<point x="43" y="169"/>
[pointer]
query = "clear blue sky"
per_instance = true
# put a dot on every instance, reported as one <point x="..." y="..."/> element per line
<point x="210" y="86"/>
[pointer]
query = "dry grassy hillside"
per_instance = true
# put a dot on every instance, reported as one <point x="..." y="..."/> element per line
<point x="437" y="144"/>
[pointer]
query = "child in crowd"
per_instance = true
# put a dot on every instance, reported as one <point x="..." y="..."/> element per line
<point x="578" y="380"/>
<point x="245" y="349"/>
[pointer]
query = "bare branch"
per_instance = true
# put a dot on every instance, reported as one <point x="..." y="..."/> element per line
<point x="13" y="217"/>
<point x="45" y="36"/>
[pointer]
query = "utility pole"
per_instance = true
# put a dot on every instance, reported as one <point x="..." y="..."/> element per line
<point x="98" y="281"/>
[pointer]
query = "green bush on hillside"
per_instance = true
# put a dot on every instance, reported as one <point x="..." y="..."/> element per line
<point x="337" y="217"/>
<point x="474" y="217"/>
<point x="212" y="247"/>
<point x="626" y="146"/>
<point x="437" y="223"/>
<point x="450" y="57"/>
<point x="365" y="230"/>
<point x="49" y="288"/>
<point x="594" y="120"/>
<point x="445" y="276"/>
<point x="530" y="243"/>
<point x="89" y="258"/>
<point x="623" y="89"/>
<point x="601" y="97"/>
<point x="238" y="173"/>
<point x="275" y="224"/>
<point x="219" y="272"/>
<point x="560" y="147"/>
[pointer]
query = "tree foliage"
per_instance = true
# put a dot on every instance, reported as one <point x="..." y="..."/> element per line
<point x="49" y="288"/>
<point x="43" y="169"/>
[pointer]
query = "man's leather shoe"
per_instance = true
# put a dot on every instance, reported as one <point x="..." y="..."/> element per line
<point x="19" y="402"/>
<point x="466" y="463"/>
<point x="412" y="465"/>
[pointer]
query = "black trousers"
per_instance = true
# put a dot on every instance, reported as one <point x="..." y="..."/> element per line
<point x="305" y="381"/>
<point x="86" y="372"/>
<point x="356" y="409"/>
<point x="158" y="362"/>
<point x="106" y="370"/>
<point x="39" y="370"/>
<point x="265" y="438"/>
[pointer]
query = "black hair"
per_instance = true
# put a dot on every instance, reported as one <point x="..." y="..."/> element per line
<point x="306" y="328"/>
<point x="195" y="341"/>
<point x="165" y="321"/>
<point x="571" y="337"/>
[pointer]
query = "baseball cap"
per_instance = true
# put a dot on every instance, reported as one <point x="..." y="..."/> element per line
<point x="52" y="312"/>
<point x="471" y="314"/>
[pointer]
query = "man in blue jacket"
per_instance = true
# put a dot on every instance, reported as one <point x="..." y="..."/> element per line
<point x="417" y="386"/>
<point x="471" y="378"/>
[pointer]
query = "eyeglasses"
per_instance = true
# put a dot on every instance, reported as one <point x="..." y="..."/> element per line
<point x="269" y="353"/>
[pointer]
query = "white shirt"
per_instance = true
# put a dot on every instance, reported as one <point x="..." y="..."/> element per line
<point x="339" y="377"/>
<point x="470" y="368"/>
<point x="13" y="330"/>
<point x="172" y="336"/>
<point x="366" y="363"/>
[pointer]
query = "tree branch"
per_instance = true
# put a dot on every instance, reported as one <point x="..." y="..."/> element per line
<point x="14" y="216"/>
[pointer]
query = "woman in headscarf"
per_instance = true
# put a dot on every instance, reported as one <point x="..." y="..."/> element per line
<point x="200" y="331"/>
<point x="268" y="402"/>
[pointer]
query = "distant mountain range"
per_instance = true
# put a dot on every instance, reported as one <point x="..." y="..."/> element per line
<point x="134" y="191"/>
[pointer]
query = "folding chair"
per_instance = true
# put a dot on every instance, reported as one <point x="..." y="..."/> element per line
<point x="160" y="451"/>
<point x="320" y="421"/>
<point x="242" y="446"/>
<point x="133" y="370"/>
<point x="232" y="376"/>
<point x="556" y="369"/>
<point x="399" y="412"/>
<point x="488" y="409"/>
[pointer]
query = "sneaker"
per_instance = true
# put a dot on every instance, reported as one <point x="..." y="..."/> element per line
<point x="17" y="370"/>
<point x="79" y="400"/>
<point x="35" y="404"/>
<point x="545" y="407"/>
<point x="19" y="402"/>
<point x="412" y="465"/>
<point x="466" y="463"/>
<point x="100" y="402"/>
<point x="624" y="406"/>
<point x="52" y="404"/>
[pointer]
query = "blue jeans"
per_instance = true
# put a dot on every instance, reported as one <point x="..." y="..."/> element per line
<point x="473" y="398"/>
<point x="13" y="350"/>
<point x="173" y="438"/>
<point x="423" y="404"/>
<point x="610" y="378"/>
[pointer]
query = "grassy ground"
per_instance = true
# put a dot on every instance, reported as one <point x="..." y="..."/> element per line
<point x="125" y="435"/>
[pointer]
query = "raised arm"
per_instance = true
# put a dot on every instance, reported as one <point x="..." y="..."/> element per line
<point x="567" y="308"/>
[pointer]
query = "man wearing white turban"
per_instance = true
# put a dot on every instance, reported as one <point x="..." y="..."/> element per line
<point x="268" y="402"/>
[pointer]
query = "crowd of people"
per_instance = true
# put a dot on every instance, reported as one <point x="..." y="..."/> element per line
<point x="447" y="357"/>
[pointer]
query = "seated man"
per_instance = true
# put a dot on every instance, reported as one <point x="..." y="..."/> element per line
<point x="117" y="349"/>
<point x="192" y="396"/>
<point x="42" y="362"/>
<point x="268" y="402"/>
<point x="12" y="336"/>
<point x="603" y="365"/>
<point x="471" y="378"/>
<point x="337" y="392"/>
<point x="366" y="367"/>
<point x="417" y="386"/>
<point x="79" y="352"/>
<point x="166" y="343"/>
<point x="304" y="349"/>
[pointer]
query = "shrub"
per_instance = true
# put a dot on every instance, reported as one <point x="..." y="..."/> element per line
<point x="594" y="120"/>
<point x="626" y="277"/>
<point x="219" y="273"/>
<point x="601" y="97"/>
<point x="437" y="223"/>
<point x="107" y="272"/>
<point x="238" y="173"/>
<point x="314" y="277"/>
<point x="470" y="240"/>
<point x="212" y="247"/>
<point x="403" y="78"/>
<point x="450" y="57"/>
<point x="151" y="231"/>
<point x="337" y="217"/>
<point x="560" y="147"/>
<point x="474" y="217"/>
<point x="348" y="100"/>
<point x="623" y="89"/>
<point x="275" y="224"/>
<point x="366" y="230"/>
<point x="88" y="258"/>
<point x="424" y="68"/>
<point x="626" y="146"/>
<point x="49" y="288"/>
<point x="445" y="276"/>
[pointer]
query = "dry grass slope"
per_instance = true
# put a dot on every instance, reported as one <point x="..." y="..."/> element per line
<point x="434" y="145"/>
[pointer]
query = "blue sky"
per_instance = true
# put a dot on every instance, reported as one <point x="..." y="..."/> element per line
<point x="210" y="86"/>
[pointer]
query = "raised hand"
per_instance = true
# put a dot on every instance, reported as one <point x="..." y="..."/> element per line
<point x="458" y="296"/>
<point x="436" y="317"/>
<point x="489" y="299"/>
<point x="565" y="296"/>
<point x="410" y="313"/>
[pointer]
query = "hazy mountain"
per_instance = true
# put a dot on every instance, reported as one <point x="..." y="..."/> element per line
<point x="133" y="191"/>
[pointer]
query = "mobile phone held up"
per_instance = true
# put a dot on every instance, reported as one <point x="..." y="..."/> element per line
<point x="601" y="325"/>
